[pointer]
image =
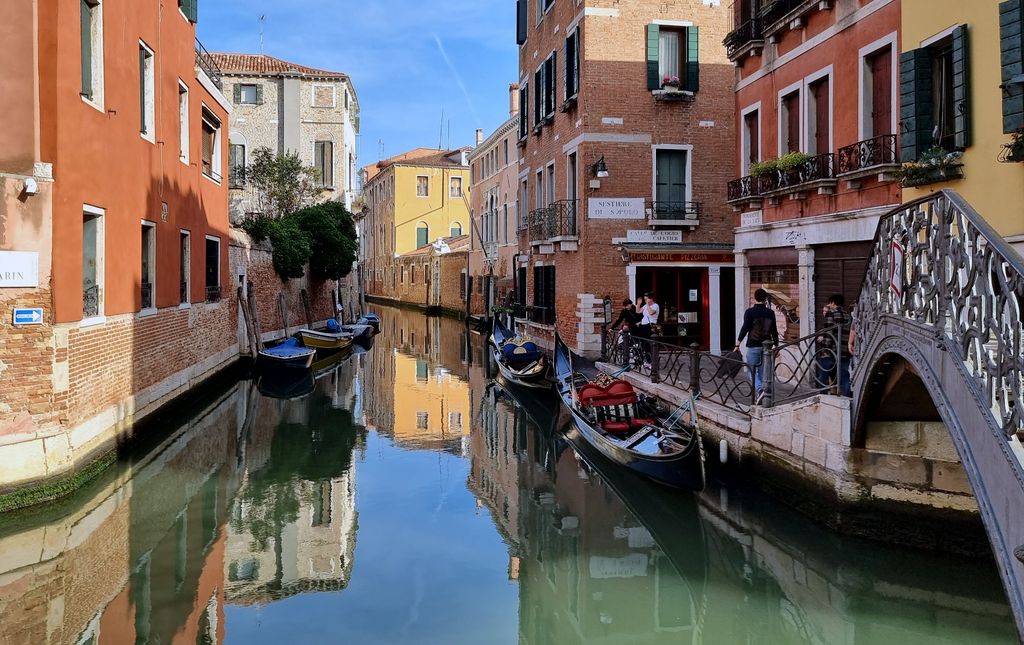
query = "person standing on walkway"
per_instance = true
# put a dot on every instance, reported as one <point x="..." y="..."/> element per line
<point x="830" y="355"/>
<point x="649" y="313"/>
<point x="758" y="326"/>
<point x="628" y="317"/>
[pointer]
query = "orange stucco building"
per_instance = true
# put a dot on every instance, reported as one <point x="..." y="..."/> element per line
<point x="113" y="225"/>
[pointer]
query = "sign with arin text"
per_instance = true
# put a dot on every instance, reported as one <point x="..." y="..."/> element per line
<point x="703" y="258"/>
<point x="19" y="269"/>
<point x="615" y="208"/>
<point x="645" y="236"/>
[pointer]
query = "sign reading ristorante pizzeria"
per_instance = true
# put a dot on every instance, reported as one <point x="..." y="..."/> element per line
<point x="709" y="258"/>
<point x="615" y="208"/>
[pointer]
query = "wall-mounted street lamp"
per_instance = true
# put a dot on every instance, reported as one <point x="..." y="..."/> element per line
<point x="599" y="169"/>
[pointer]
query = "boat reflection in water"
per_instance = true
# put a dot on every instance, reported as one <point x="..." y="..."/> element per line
<point x="477" y="522"/>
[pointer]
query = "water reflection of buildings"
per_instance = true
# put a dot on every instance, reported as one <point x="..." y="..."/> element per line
<point x="416" y="388"/>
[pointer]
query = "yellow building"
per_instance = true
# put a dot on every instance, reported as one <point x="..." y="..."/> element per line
<point x="960" y="87"/>
<point x="411" y="200"/>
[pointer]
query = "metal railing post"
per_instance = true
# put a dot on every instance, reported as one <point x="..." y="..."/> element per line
<point x="695" y="355"/>
<point x="768" y="373"/>
<point x="655" y="360"/>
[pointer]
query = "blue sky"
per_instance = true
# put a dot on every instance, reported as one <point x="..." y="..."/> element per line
<point x="409" y="59"/>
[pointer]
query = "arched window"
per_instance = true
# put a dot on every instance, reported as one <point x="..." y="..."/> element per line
<point x="456" y="229"/>
<point x="422" y="234"/>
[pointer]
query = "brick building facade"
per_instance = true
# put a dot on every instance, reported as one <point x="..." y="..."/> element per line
<point x="819" y="80"/>
<point x="118" y="135"/>
<point x="494" y="237"/>
<point x="623" y="111"/>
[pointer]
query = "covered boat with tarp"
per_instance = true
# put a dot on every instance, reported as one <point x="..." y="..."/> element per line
<point x="520" y="360"/>
<point x="631" y="429"/>
<point x="290" y="354"/>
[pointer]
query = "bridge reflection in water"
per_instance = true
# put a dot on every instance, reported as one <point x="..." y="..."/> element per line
<point x="477" y="522"/>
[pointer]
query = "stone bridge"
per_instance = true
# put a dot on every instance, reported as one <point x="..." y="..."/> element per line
<point x="940" y="318"/>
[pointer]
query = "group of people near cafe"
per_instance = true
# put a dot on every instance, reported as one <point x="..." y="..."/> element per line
<point x="834" y="352"/>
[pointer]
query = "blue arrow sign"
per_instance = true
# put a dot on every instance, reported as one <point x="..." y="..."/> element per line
<point x="28" y="316"/>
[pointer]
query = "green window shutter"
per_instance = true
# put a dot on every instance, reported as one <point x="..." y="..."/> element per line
<point x="692" y="59"/>
<point x="916" y="120"/>
<point x="421" y="236"/>
<point x="653" y="75"/>
<point x="520" y="21"/>
<point x="961" y="88"/>
<point x="193" y="13"/>
<point x="86" y="49"/>
<point x="238" y="93"/>
<point x="1011" y="48"/>
<point x="259" y="94"/>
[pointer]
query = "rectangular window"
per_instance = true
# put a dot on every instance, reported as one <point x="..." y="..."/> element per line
<point x="147" y="98"/>
<point x="524" y="109"/>
<point x="185" y="268"/>
<point x="670" y="53"/>
<point x="212" y="269"/>
<point x="324" y="162"/>
<point x="521" y="204"/>
<point x="751" y="140"/>
<point x="879" y="69"/>
<point x="247" y="93"/>
<point x="236" y="165"/>
<point x="92" y="263"/>
<point x="672" y="57"/>
<point x="571" y="190"/>
<point x="402" y="274"/>
<point x="789" y="134"/>
<point x="1011" y="58"/>
<point x="211" y="145"/>
<point x="521" y="8"/>
<point x="819" y="117"/>
<point x="455" y="188"/>
<point x="504" y="223"/>
<point x="538" y="96"/>
<point x="538" y="189"/>
<point x="572" y="64"/>
<point x="670" y="176"/>
<point x="504" y="145"/>
<point x="148" y="265"/>
<point x="183" y="132"/>
<point x="549" y="85"/>
<point x="190" y="8"/>
<point x="544" y="294"/>
<point x="550" y="185"/>
<point x="942" y="93"/>
<point x="412" y="274"/>
<point x="92" y="50"/>
<point x="422" y="418"/>
<point x="935" y="104"/>
<point x="422" y="186"/>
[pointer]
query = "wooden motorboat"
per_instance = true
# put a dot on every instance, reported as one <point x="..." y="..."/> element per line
<point x="325" y="340"/>
<point x="289" y="354"/>
<point x="631" y="430"/>
<point x="520" y="362"/>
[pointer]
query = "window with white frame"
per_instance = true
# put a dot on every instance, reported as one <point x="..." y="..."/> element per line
<point x="324" y="96"/>
<point x="819" y="116"/>
<point x="549" y="185"/>
<point x="750" y="138"/>
<point x="571" y="186"/>
<point x="183" y="132"/>
<point x="147" y="96"/>
<point x="211" y="159"/>
<point x="248" y="94"/>
<point x="538" y="189"/>
<point x="148" y="281"/>
<point x="422" y="186"/>
<point x="92" y="50"/>
<point x="878" y="91"/>
<point x="212" y="269"/>
<point x="185" y="266"/>
<point x="521" y="203"/>
<point x="323" y="153"/>
<point x="572" y="64"/>
<point x="455" y="188"/>
<point x="670" y="177"/>
<point x="92" y="262"/>
<point x="789" y="122"/>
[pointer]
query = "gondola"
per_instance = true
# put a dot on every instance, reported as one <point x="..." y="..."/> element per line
<point x="520" y="363"/>
<point x="631" y="430"/>
<point x="289" y="354"/>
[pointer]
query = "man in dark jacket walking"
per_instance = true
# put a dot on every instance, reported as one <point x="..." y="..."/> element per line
<point x="758" y="326"/>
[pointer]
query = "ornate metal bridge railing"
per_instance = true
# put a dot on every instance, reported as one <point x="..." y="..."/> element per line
<point x="937" y="263"/>
<point x="807" y="366"/>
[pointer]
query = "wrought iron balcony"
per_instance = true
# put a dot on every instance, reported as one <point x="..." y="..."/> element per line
<point x="665" y="212"/>
<point x="746" y="36"/>
<point x="147" y="295"/>
<point x="91" y="301"/>
<point x="206" y="63"/>
<point x="776" y="14"/>
<point x="868" y="155"/>
<point x="556" y="221"/>
<point x="213" y="293"/>
<point x="744" y="188"/>
<point x="818" y="169"/>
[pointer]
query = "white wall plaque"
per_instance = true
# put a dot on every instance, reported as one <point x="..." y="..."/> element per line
<point x="751" y="219"/>
<point x="615" y="208"/>
<point x="644" y="236"/>
<point x="19" y="269"/>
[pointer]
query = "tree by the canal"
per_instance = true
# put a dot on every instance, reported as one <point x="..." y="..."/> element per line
<point x="282" y="183"/>
<point x="322" y="236"/>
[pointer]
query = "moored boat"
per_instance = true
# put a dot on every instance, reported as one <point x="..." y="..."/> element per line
<point x="325" y="340"/>
<point x="288" y="354"/>
<point x="520" y="362"/>
<point x="631" y="430"/>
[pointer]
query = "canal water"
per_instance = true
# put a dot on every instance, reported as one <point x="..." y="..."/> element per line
<point x="408" y="499"/>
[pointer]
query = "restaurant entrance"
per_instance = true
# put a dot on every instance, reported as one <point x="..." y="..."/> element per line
<point x="687" y="296"/>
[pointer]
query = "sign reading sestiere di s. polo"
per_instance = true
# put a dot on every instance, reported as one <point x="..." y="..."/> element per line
<point x="19" y="269"/>
<point x="615" y="208"/>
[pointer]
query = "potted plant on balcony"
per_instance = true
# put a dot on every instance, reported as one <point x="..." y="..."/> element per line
<point x="671" y="84"/>
<point x="1013" y="152"/>
<point x="760" y="168"/>
<point x="935" y="164"/>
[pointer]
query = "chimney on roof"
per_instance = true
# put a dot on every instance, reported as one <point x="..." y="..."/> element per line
<point x="513" y="99"/>
<point x="479" y="136"/>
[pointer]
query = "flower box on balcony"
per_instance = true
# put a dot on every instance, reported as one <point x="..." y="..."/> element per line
<point x="935" y="165"/>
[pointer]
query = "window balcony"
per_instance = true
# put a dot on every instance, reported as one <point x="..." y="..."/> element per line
<point x="556" y="223"/>
<point x="745" y="39"/>
<point x="877" y="157"/>
<point x="779" y="15"/>
<point x="744" y="192"/>
<point x="91" y="301"/>
<point x="661" y="213"/>
<point x="816" y="174"/>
